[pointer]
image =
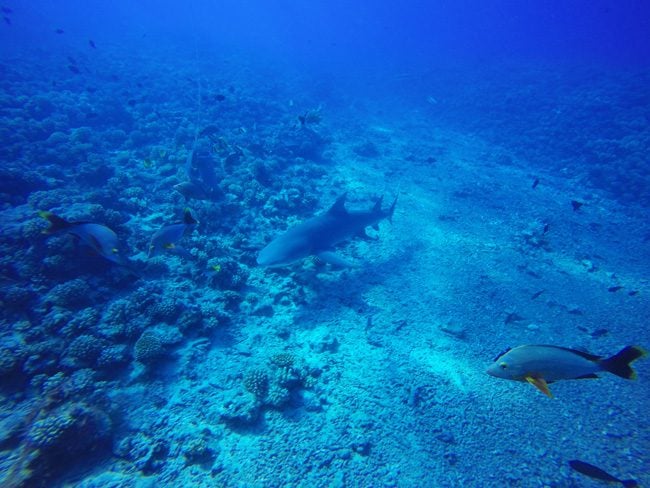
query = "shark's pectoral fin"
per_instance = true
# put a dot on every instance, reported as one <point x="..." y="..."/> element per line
<point x="364" y="235"/>
<point x="335" y="259"/>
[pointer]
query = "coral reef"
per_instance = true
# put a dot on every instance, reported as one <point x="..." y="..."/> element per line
<point x="257" y="382"/>
<point x="59" y="439"/>
<point x="71" y="294"/>
<point x="149" y="348"/>
<point x="199" y="367"/>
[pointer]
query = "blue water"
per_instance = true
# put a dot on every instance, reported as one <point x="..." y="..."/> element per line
<point x="139" y="348"/>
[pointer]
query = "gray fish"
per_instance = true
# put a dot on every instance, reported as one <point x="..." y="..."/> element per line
<point x="99" y="237"/>
<point x="167" y="237"/>
<point x="192" y="190"/>
<point x="318" y="235"/>
<point x="540" y="365"/>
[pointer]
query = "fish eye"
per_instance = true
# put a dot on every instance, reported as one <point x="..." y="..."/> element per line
<point x="503" y="365"/>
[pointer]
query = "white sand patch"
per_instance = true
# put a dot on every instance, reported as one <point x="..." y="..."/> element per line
<point x="381" y="129"/>
<point x="447" y="365"/>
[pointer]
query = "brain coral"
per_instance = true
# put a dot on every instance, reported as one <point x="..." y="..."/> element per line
<point x="85" y="348"/>
<point x="112" y="356"/>
<point x="70" y="294"/>
<point x="148" y="348"/>
<point x="257" y="382"/>
<point x="70" y="429"/>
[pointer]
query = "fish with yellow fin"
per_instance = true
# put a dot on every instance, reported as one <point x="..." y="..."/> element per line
<point x="166" y="237"/>
<point x="541" y="365"/>
<point x="98" y="237"/>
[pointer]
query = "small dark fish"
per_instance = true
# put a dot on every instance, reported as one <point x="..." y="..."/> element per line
<point x="633" y="293"/>
<point x="71" y="60"/>
<point x="575" y="204"/>
<point x="302" y="120"/>
<point x="91" y="43"/>
<point x="74" y="69"/>
<point x="131" y="102"/>
<point x="60" y="31"/>
<point x="7" y="20"/>
<point x="219" y="97"/>
<point x="614" y="289"/>
<point x="537" y="294"/>
<point x="546" y="227"/>
<point x="210" y="130"/>
<point x="599" y="333"/>
<point x="7" y="10"/>
<point x="535" y="183"/>
<point x="513" y="317"/>
<point x="598" y="474"/>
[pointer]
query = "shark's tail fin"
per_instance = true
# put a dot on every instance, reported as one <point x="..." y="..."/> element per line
<point x="391" y="210"/>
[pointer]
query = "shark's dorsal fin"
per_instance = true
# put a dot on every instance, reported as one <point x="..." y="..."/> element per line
<point x="377" y="207"/>
<point x="339" y="206"/>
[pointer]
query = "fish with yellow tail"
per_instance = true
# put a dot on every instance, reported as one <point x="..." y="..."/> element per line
<point x="98" y="237"/>
<point x="165" y="238"/>
<point x="541" y="365"/>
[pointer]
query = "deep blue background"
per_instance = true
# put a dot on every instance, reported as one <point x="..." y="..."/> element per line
<point x="350" y="38"/>
<point x="561" y="82"/>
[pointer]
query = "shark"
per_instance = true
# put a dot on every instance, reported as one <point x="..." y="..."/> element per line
<point x="319" y="235"/>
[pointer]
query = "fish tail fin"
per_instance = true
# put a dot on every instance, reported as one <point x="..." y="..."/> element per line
<point x="629" y="483"/>
<point x="56" y="223"/>
<point x="619" y="363"/>
<point x="188" y="219"/>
